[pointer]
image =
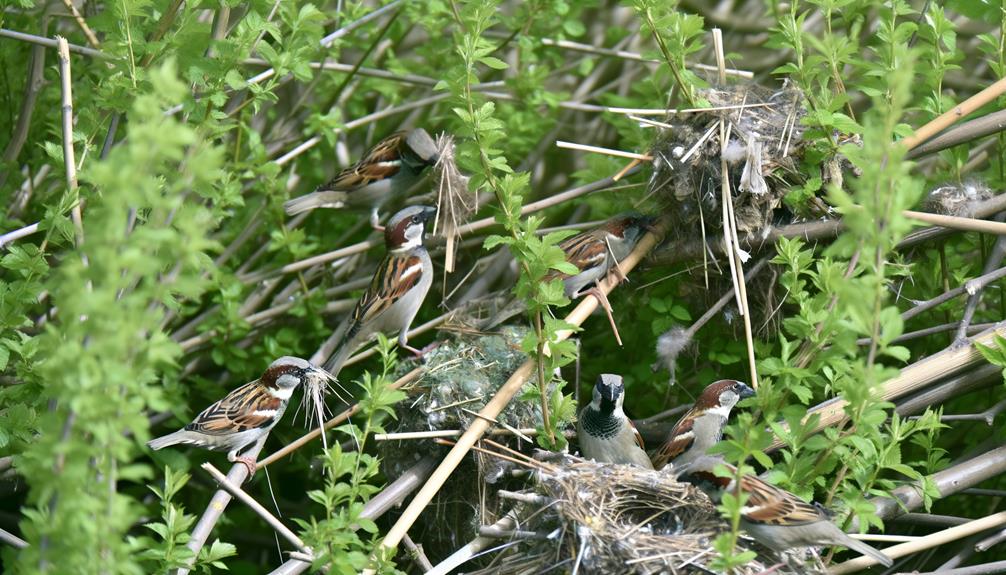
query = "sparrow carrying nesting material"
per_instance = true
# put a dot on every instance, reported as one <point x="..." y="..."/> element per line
<point x="388" y="171"/>
<point x="603" y="430"/>
<point x="245" y="416"/>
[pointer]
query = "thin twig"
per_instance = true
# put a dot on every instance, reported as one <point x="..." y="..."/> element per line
<point x="922" y="543"/>
<point x="257" y="507"/>
<point x="959" y="111"/>
<point x="50" y="43"/>
<point x="91" y="38"/>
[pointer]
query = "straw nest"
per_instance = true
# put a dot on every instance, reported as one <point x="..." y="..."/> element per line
<point x="763" y="140"/>
<point x="606" y="518"/>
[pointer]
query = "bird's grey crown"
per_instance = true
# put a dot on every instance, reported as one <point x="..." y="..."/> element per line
<point x="290" y="360"/>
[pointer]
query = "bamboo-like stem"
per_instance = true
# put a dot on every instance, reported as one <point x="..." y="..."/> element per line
<point x="605" y="151"/>
<point x="257" y="507"/>
<point x="50" y="43"/>
<point x="201" y="532"/>
<point x="923" y="543"/>
<point x="91" y="38"/>
<point x="12" y="540"/>
<point x="946" y="119"/>
<point x="69" y="158"/>
<point x="338" y="419"/>
<point x="920" y="374"/>
<point x="479" y="426"/>
<point x="958" y="223"/>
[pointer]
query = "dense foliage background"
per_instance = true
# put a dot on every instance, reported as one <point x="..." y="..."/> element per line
<point x="171" y="274"/>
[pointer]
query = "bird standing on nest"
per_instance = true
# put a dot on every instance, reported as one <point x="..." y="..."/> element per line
<point x="397" y="290"/>
<point x="597" y="251"/>
<point x="605" y="433"/>
<point x="773" y="516"/>
<point x="389" y="170"/>
<point x="702" y="427"/>
<point x="245" y="416"/>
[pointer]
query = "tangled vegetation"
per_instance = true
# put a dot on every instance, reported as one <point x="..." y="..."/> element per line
<point x="813" y="238"/>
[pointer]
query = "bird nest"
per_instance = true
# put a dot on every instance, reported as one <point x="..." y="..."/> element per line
<point x="763" y="139"/>
<point x="587" y="517"/>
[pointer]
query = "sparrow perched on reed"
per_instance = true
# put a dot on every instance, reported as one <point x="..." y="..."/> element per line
<point x="597" y="251"/>
<point x="604" y="432"/>
<point x="392" y="167"/>
<point x="397" y="290"/>
<point x="774" y="517"/>
<point x="246" y="415"/>
<point x="702" y="426"/>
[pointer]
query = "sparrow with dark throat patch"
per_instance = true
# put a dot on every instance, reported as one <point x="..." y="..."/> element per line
<point x="604" y="432"/>
<point x="397" y="290"/>
<point x="245" y="416"/>
<point x="389" y="170"/>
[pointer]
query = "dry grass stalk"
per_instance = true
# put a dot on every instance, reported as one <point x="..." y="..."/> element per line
<point x="455" y="204"/>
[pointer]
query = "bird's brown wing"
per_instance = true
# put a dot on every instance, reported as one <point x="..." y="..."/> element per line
<point x="585" y="251"/>
<point x="394" y="278"/>
<point x="770" y="505"/>
<point x="237" y="411"/>
<point x="382" y="162"/>
<point x="678" y="441"/>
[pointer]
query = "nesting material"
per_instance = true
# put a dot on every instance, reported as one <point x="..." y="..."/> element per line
<point x="607" y="518"/>
<point x="765" y="136"/>
<point x="957" y="199"/>
<point x="455" y="204"/>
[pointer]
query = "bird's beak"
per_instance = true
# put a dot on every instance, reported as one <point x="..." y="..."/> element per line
<point x="428" y="213"/>
<point x="746" y="391"/>
<point x="648" y="223"/>
<point x="320" y="374"/>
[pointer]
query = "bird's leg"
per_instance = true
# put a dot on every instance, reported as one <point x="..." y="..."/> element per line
<point x="248" y="462"/>
<point x="375" y="220"/>
<point x="603" y="301"/>
<point x="419" y="353"/>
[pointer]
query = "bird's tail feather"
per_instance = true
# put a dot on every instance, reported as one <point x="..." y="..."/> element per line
<point x="334" y="363"/>
<point x="861" y="547"/>
<point x="315" y="200"/>
<point x="168" y="440"/>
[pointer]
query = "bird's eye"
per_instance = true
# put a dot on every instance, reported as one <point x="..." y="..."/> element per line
<point x="415" y="219"/>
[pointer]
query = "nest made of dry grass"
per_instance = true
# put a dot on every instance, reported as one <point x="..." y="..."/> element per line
<point x="607" y="518"/>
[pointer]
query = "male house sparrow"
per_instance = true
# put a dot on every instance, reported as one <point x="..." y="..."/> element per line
<point x="702" y="427"/>
<point x="775" y="517"/>
<point x="604" y="432"/>
<point x="597" y="251"/>
<point x="398" y="289"/>
<point x="246" y="415"/>
<point x="388" y="170"/>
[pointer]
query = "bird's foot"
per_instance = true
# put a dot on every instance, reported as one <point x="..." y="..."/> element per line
<point x="248" y="462"/>
<point x="603" y="301"/>
<point x="420" y="354"/>
<point x="375" y="221"/>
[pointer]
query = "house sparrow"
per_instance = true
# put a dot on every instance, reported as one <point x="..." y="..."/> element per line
<point x="702" y="427"/>
<point x="398" y="289"/>
<point x="775" y="517"/>
<point x="597" y="251"/>
<point x="388" y="170"/>
<point x="246" y="415"/>
<point x="604" y="432"/>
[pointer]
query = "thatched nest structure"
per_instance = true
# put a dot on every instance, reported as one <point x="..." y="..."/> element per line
<point x="592" y="517"/>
